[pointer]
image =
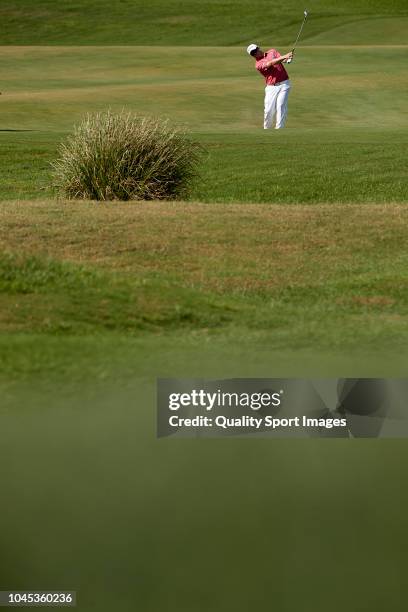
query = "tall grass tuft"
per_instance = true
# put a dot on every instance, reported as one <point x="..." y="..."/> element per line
<point x="125" y="157"/>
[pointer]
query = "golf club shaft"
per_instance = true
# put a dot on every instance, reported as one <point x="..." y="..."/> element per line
<point x="300" y="32"/>
<point x="289" y="61"/>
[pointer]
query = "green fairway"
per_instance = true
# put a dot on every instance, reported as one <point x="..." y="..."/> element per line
<point x="344" y="131"/>
<point x="207" y="22"/>
<point x="308" y="166"/>
<point x="205" y="89"/>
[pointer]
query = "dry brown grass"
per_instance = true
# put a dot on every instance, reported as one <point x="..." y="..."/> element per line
<point x="224" y="248"/>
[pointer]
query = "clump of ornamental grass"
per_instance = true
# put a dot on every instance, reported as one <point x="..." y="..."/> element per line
<point x="125" y="157"/>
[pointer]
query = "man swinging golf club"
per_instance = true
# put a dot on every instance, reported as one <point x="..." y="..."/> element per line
<point x="270" y="65"/>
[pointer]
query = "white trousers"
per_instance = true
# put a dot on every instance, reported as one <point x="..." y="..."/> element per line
<point x="276" y="103"/>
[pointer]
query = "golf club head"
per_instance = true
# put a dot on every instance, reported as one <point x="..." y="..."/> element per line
<point x="305" y="13"/>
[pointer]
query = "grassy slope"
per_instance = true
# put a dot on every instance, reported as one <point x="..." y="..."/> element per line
<point x="285" y="278"/>
<point x="208" y="22"/>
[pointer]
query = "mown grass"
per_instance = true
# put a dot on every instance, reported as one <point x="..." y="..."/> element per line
<point x="279" y="278"/>
<point x="344" y="133"/>
<point x="356" y="165"/>
<point x="234" y="249"/>
<point x="316" y="166"/>
<point x="206" y="89"/>
<point x="209" y="22"/>
<point x="55" y="297"/>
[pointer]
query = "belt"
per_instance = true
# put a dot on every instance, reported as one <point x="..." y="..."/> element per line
<point x="278" y="83"/>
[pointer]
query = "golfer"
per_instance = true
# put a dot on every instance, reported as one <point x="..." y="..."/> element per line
<point x="270" y="65"/>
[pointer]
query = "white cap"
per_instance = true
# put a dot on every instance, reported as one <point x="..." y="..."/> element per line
<point x="251" y="48"/>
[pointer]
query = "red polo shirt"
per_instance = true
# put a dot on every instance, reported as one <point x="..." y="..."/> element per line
<point x="274" y="74"/>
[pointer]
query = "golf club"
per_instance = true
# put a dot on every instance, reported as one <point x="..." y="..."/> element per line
<point x="305" y="13"/>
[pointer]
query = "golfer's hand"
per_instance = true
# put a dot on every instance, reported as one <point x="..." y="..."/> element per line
<point x="289" y="55"/>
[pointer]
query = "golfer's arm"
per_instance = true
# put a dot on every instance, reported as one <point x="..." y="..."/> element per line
<point x="276" y="60"/>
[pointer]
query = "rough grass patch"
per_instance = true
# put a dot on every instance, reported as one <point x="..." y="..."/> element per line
<point x="125" y="157"/>
<point x="31" y="274"/>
